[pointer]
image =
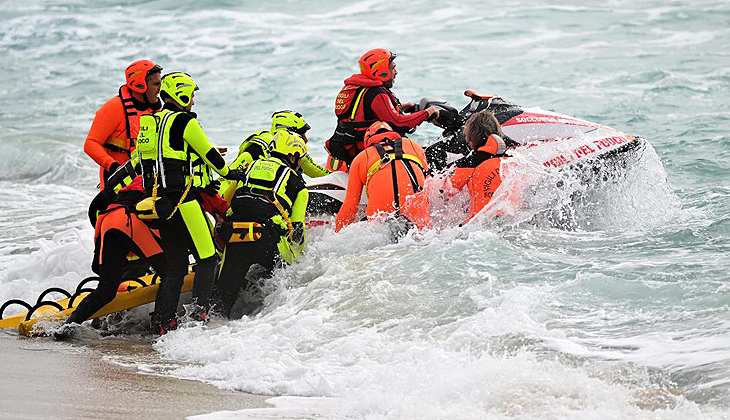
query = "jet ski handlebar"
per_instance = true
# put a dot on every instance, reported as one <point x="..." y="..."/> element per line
<point x="448" y="118"/>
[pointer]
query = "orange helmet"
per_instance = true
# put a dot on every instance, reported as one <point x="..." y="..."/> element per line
<point x="137" y="72"/>
<point x="494" y="145"/>
<point x="375" y="64"/>
<point x="375" y="128"/>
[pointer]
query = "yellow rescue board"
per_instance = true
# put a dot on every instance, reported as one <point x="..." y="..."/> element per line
<point x="14" y="320"/>
<point x="124" y="300"/>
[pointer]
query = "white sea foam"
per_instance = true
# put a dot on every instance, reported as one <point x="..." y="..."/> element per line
<point x="621" y="313"/>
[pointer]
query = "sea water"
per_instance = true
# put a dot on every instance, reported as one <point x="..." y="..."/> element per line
<point x="615" y="305"/>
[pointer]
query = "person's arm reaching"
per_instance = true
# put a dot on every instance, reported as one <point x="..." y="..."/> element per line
<point x="385" y="111"/>
<point x="197" y="139"/>
<point x="348" y="211"/>
<point x="312" y="169"/>
<point x="298" y="212"/>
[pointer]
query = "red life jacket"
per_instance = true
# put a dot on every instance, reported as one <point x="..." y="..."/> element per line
<point x="353" y="108"/>
<point x="131" y="115"/>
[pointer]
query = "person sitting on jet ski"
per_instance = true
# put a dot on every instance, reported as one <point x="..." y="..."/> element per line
<point x="118" y="232"/>
<point x="365" y="99"/>
<point x="257" y="145"/>
<point x="479" y="170"/>
<point x="393" y="170"/>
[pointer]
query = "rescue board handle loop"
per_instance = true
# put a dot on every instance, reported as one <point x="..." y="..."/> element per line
<point x="84" y="282"/>
<point x="77" y="294"/>
<point x="42" y="304"/>
<point x="133" y="280"/>
<point x="52" y="290"/>
<point x="22" y="303"/>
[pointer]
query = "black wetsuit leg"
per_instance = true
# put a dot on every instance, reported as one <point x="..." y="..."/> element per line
<point x="238" y="258"/>
<point x="116" y="247"/>
<point x="202" y="290"/>
<point x="176" y="243"/>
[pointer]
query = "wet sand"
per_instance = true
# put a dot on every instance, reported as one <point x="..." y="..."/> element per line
<point x="44" y="379"/>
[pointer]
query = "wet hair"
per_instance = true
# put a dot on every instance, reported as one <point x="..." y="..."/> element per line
<point x="479" y="126"/>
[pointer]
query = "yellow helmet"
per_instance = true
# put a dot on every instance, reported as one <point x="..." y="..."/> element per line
<point x="287" y="143"/>
<point x="293" y="121"/>
<point x="179" y="86"/>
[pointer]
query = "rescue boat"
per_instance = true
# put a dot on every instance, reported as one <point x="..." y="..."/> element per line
<point x="559" y="142"/>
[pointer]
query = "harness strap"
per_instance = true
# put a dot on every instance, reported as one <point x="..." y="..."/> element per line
<point x="115" y="148"/>
<point x="396" y="197"/>
<point x="247" y="191"/>
<point x="129" y="111"/>
<point x="246" y="232"/>
<point x="397" y="154"/>
<point x="356" y="104"/>
<point x="289" y="224"/>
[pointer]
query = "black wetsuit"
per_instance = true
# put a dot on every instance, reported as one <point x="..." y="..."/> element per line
<point x="232" y="279"/>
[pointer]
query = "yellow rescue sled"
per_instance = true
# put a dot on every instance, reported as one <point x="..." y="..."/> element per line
<point x="132" y="293"/>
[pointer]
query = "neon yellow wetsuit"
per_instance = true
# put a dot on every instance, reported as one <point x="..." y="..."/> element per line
<point x="170" y="143"/>
<point x="266" y="225"/>
<point x="257" y="145"/>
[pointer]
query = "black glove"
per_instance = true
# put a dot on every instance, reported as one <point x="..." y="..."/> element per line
<point x="113" y="167"/>
<point x="236" y="174"/>
<point x="213" y="187"/>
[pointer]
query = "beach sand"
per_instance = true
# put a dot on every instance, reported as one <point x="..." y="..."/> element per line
<point x="45" y="379"/>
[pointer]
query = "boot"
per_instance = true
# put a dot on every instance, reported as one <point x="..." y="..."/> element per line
<point x="159" y="326"/>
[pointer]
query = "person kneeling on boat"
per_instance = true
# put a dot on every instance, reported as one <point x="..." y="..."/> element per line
<point x="176" y="161"/>
<point x="265" y="224"/>
<point x="479" y="170"/>
<point x="392" y="169"/>
<point x="257" y="145"/>
<point x="118" y="232"/>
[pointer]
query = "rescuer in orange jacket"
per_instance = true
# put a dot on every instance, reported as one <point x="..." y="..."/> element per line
<point x="113" y="133"/>
<point x="479" y="171"/>
<point x="392" y="170"/>
<point x="365" y="99"/>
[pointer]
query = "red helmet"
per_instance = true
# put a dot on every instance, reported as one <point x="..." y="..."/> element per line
<point x="137" y="72"/>
<point x="375" y="64"/>
<point x="377" y="127"/>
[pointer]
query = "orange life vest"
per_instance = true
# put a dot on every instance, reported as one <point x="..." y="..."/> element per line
<point x="392" y="171"/>
<point x="479" y="171"/>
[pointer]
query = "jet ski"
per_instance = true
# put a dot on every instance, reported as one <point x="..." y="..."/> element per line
<point x="559" y="142"/>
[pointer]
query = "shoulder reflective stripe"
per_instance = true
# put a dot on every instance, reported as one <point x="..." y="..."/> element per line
<point x="281" y="179"/>
<point x="261" y="142"/>
<point x="357" y="103"/>
<point x="412" y="175"/>
<point x="160" y="136"/>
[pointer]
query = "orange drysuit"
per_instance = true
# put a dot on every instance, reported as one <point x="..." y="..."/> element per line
<point x="480" y="172"/>
<point x="113" y="133"/>
<point x="388" y="192"/>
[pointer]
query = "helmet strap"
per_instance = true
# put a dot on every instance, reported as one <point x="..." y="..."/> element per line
<point x="286" y="159"/>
